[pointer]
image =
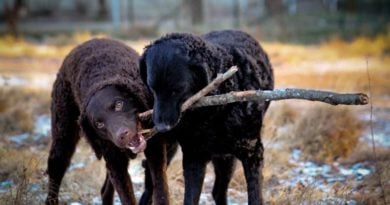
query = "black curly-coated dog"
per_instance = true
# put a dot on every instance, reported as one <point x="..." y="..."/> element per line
<point x="177" y="66"/>
<point x="99" y="91"/>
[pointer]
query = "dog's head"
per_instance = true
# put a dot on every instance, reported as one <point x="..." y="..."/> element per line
<point x="173" y="75"/>
<point x="111" y="114"/>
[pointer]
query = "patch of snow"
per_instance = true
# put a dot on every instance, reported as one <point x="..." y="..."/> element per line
<point x="19" y="139"/>
<point x="381" y="127"/>
<point x="336" y="201"/>
<point x="97" y="200"/>
<point x="366" y="116"/>
<point x="381" y="139"/>
<point x="136" y="172"/>
<point x="5" y="186"/>
<point x="42" y="125"/>
<point x="41" y="81"/>
<point x="42" y="128"/>
<point x="295" y="155"/>
<point x="234" y="195"/>
<point x="44" y="81"/>
<point x="205" y="198"/>
<point x="34" y="188"/>
<point x="12" y="81"/>
<point x="319" y="175"/>
<point x="78" y="165"/>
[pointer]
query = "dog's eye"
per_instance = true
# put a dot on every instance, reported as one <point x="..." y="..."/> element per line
<point x="99" y="125"/>
<point x="118" y="106"/>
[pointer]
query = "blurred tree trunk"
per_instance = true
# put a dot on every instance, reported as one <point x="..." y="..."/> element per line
<point x="236" y="14"/>
<point x="12" y="15"/>
<point x="347" y="8"/>
<point x="275" y="10"/>
<point x="274" y="7"/>
<point x="171" y="14"/>
<point x="131" y="12"/>
<point x="196" y="11"/>
<point x="81" y="8"/>
<point x="103" y="12"/>
<point x="116" y="13"/>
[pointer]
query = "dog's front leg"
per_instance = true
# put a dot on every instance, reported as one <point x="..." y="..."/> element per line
<point x="117" y="163"/>
<point x="156" y="156"/>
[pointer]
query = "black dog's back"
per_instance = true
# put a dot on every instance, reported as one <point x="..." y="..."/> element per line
<point x="255" y="70"/>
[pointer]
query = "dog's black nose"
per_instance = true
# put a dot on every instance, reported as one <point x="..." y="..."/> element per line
<point x="163" y="127"/>
<point x="122" y="132"/>
<point x="123" y="135"/>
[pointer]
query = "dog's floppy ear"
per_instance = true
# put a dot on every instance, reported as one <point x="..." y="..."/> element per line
<point x="142" y="67"/>
<point x="200" y="74"/>
<point x="91" y="136"/>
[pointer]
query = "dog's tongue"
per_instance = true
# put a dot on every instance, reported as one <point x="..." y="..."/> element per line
<point x="137" y="144"/>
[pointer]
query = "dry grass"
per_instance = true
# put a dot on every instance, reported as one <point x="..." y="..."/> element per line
<point x="53" y="47"/>
<point x="23" y="169"/>
<point x="19" y="56"/>
<point x="57" y="46"/>
<point x="370" y="190"/>
<point x="341" y="81"/>
<point x="377" y="46"/>
<point x="333" y="51"/>
<point x="313" y="128"/>
<point x="86" y="176"/>
<point x="325" y="133"/>
<point x="19" y="106"/>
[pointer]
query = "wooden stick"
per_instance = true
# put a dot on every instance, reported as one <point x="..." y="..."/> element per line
<point x="278" y="94"/>
<point x="145" y="115"/>
<point x="149" y="133"/>
<point x="283" y="94"/>
<point x="201" y="100"/>
<point x="210" y="87"/>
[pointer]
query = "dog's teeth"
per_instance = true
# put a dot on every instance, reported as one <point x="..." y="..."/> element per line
<point x="133" y="149"/>
<point x="141" y="144"/>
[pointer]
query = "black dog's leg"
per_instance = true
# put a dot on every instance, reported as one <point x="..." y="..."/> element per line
<point x="156" y="156"/>
<point x="65" y="135"/>
<point x="146" y="198"/>
<point x="171" y="150"/>
<point x="224" y="169"/>
<point x="253" y="164"/>
<point x="117" y="163"/>
<point x="194" y="172"/>
<point x="107" y="191"/>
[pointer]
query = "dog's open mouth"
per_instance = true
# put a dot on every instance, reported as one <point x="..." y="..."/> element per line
<point x="137" y="144"/>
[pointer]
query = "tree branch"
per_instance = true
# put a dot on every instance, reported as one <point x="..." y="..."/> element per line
<point x="210" y="87"/>
<point x="284" y="94"/>
<point x="269" y="95"/>
<point x="201" y="100"/>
